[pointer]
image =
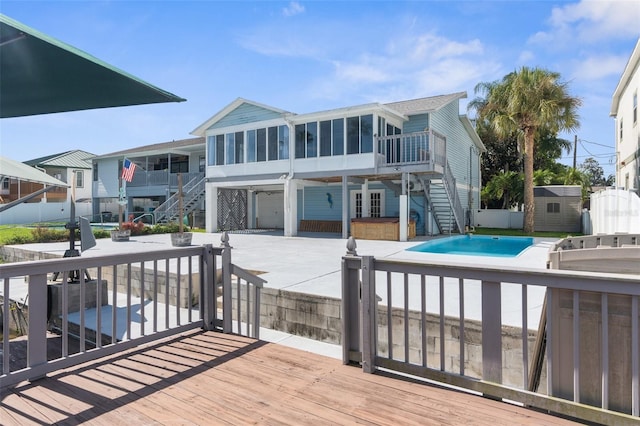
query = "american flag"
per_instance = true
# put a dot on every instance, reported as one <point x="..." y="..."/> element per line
<point x="128" y="169"/>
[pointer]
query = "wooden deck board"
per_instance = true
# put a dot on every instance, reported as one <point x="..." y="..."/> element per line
<point x="212" y="378"/>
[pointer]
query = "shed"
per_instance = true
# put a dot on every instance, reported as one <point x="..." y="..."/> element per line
<point x="557" y="208"/>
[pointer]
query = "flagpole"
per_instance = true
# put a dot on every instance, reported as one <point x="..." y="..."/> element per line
<point x="122" y="189"/>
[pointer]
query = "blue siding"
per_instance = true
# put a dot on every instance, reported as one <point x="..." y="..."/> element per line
<point x="416" y="123"/>
<point x="317" y="205"/>
<point x="447" y="122"/>
<point x="246" y="113"/>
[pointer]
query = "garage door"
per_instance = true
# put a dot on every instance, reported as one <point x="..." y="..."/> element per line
<point x="270" y="210"/>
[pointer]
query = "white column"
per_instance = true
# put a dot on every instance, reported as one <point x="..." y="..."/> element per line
<point x="345" y="207"/>
<point x="211" y="207"/>
<point x="404" y="218"/>
<point x="290" y="208"/>
<point x="251" y="211"/>
<point x="366" y="207"/>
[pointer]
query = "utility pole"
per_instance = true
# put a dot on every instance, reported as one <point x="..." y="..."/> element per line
<point x="575" y="150"/>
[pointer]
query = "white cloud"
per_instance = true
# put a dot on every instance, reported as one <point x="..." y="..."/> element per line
<point x="590" y="21"/>
<point x="526" y="57"/>
<point x="360" y="72"/>
<point x="294" y="8"/>
<point x="411" y="66"/>
<point x="598" y="67"/>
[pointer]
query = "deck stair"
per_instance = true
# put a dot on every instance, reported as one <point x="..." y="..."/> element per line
<point x="193" y="192"/>
<point x="442" y="195"/>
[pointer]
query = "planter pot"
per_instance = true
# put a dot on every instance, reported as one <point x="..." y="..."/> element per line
<point x="181" y="239"/>
<point x="120" y="235"/>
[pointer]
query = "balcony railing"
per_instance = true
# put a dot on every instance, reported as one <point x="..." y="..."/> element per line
<point x="106" y="304"/>
<point x="160" y="178"/>
<point x="412" y="148"/>
<point x="399" y="316"/>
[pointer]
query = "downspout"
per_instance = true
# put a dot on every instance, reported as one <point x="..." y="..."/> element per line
<point x="289" y="220"/>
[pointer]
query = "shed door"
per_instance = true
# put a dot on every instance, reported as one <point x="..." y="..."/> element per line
<point x="270" y="210"/>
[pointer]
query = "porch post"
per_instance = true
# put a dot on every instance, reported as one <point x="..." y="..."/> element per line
<point x="345" y="207"/>
<point x="366" y="207"/>
<point x="403" y="209"/>
<point x="290" y="208"/>
<point x="211" y="207"/>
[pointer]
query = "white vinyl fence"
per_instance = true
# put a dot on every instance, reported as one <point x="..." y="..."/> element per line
<point x="42" y="212"/>
<point x="615" y="211"/>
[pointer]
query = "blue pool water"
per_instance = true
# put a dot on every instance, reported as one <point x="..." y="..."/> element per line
<point x="476" y="245"/>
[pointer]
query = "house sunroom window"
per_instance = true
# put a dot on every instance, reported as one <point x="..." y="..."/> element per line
<point x="360" y="134"/>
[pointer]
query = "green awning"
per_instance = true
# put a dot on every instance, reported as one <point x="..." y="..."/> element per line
<point x="41" y="75"/>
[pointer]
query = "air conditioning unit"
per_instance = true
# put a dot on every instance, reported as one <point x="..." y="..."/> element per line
<point x="415" y="186"/>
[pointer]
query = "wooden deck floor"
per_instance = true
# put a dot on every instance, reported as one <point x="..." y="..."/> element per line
<point x="208" y="378"/>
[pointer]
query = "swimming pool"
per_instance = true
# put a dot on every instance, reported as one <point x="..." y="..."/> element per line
<point x="476" y="245"/>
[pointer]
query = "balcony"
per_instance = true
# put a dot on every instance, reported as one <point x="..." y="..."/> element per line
<point x="160" y="178"/>
<point x="426" y="148"/>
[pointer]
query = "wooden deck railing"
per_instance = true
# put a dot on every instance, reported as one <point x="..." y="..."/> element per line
<point x="417" y="318"/>
<point x="116" y="302"/>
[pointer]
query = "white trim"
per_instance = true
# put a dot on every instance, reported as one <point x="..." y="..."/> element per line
<point x="352" y="201"/>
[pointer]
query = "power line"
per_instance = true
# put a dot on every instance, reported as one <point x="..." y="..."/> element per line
<point x="596" y="143"/>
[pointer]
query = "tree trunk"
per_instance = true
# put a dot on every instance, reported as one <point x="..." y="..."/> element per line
<point x="528" y="181"/>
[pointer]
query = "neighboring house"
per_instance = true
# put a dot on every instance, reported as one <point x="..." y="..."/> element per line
<point x="72" y="167"/>
<point x="414" y="160"/>
<point x="152" y="191"/>
<point x="624" y="108"/>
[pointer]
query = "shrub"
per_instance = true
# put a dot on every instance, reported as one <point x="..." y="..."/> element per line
<point x="47" y="235"/>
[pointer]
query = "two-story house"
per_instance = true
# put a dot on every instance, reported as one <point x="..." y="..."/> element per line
<point x="624" y="108"/>
<point x="72" y="167"/>
<point x="417" y="160"/>
<point x="151" y="195"/>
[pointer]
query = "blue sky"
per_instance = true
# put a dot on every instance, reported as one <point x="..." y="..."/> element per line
<point x="308" y="56"/>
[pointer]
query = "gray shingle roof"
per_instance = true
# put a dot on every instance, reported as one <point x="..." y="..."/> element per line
<point x="423" y="105"/>
<point x="163" y="146"/>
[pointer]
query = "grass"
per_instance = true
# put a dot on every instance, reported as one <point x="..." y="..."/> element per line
<point x="520" y="233"/>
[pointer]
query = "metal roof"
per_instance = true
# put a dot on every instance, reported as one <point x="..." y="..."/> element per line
<point x="16" y="170"/>
<point x="41" y="75"/>
<point x="76" y="159"/>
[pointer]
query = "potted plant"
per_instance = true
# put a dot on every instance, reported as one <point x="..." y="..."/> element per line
<point x="181" y="238"/>
<point x="126" y="229"/>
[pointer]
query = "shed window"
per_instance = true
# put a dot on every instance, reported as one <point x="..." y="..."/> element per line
<point x="553" y="207"/>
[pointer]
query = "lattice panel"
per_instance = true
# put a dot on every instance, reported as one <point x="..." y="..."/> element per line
<point x="232" y="209"/>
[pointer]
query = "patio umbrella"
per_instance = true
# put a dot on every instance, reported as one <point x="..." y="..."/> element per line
<point x="41" y="75"/>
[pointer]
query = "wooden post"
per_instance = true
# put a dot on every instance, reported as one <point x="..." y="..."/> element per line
<point x="180" y="205"/>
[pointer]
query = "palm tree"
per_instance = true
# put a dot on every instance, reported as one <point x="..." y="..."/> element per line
<point x="528" y="101"/>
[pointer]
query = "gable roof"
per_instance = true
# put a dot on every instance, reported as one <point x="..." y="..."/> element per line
<point x="17" y="170"/>
<point x="199" y="131"/>
<point x="425" y="105"/>
<point x="627" y="74"/>
<point x="75" y="159"/>
<point x="156" y="148"/>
